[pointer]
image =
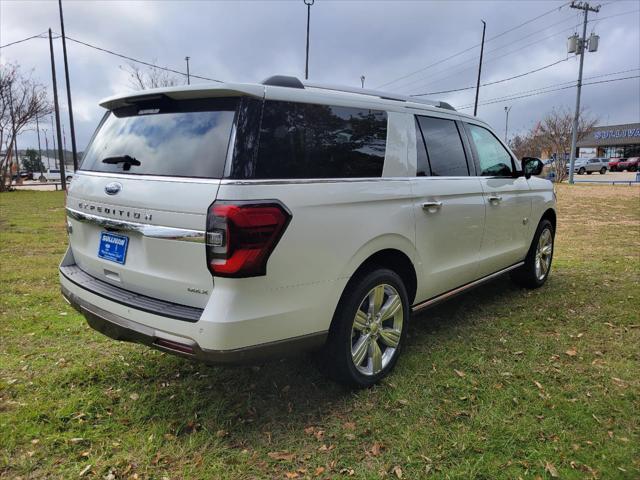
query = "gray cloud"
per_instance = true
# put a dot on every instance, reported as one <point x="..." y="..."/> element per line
<point x="383" y="40"/>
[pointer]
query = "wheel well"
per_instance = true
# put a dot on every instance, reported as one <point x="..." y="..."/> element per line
<point x="398" y="262"/>
<point x="550" y="215"/>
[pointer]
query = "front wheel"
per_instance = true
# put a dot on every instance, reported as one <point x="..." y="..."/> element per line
<point x="369" y="328"/>
<point x="581" y="171"/>
<point x="42" y="179"/>
<point x="68" y="178"/>
<point x="603" y="171"/>
<point x="537" y="264"/>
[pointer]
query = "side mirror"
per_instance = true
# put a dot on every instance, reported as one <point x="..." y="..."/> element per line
<point x="531" y="166"/>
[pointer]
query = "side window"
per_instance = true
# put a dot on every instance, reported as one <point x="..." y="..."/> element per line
<point x="444" y="147"/>
<point x="422" y="161"/>
<point x="300" y="140"/>
<point x="494" y="160"/>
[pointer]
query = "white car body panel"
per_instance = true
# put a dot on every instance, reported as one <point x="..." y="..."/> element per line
<point x="336" y="225"/>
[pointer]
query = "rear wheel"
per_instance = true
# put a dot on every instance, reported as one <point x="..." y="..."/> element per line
<point x="69" y="177"/>
<point x="537" y="264"/>
<point x="581" y="171"/>
<point x="369" y="328"/>
<point x="42" y="179"/>
<point x="603" y="170"/>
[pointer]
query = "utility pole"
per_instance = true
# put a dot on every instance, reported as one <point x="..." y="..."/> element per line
<point x="53" y="139"/>
<point x="63" y="178"/>
<point x="582" y="43"/>
<point x="362" y="80"/>
<point x="308" y="3"/>
<point x="475" y="107"/>
<point x="39" y="148"/>
<point x="506" y="122"/>
<point x="188" y="76"/>
<point x="66" y="77"/>
<point x="46" y="146"/>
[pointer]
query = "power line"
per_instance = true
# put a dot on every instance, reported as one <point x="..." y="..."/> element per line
<point x="494" y="82"/>
<point x="126" y="57"/>
<point x="40" y="35"/>
<point x="540" y="89"/>
<point x="472" y="47"/>
<point x="516" y="50"/>
<point x="550" y="91"/>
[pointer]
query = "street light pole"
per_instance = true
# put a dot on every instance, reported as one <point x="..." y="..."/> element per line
<point x="63" y="178"/>
<point x="475" y="106"/>
<point x="506" y="122"/>
<point x="308" y="3"/>
<point x="362" y="80"/>
<point x="188" y="76"/>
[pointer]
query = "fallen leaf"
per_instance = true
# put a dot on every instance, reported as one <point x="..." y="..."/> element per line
<point x="397" y="471"/>
<point x="134" y="396"/>
<point x="459" y="373"/>
<point x="376" y="448"/>
<point x="538" y="385"/>
<point x="291" y="475"/>
<point x="319" y="471"/>
<point x="349" y="426"/>
<point x="551" y="469"/>
<point x="285" y="456"/>
<point x="571" y="352"/>
<point x="85" y="470"/>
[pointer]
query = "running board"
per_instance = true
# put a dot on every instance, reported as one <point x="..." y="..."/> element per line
<point x="456" y="291"/>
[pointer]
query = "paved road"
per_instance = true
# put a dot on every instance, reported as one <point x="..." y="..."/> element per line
<point x="606" y="178"/>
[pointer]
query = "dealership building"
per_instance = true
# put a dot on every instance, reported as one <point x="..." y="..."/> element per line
<point x="611" y="141"/>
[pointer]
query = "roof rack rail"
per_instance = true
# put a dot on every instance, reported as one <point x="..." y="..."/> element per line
<point x="379" y="94"/>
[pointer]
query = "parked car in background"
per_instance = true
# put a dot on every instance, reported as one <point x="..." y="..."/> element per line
<point x="589" y="165"/>
<point x="295" y="216"/>
<point x="613" y="163"/>
<point x="630" y="164"/>
<point x="51" y="175"/>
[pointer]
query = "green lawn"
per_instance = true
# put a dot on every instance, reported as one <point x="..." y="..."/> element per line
<point x="498" y="383"/>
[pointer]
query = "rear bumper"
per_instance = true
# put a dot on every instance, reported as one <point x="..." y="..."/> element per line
<point x="120" y="328"/>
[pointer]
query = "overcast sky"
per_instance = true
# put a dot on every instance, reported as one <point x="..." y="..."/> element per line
<point x="383" y="40"/>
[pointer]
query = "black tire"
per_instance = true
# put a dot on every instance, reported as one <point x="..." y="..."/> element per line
<point x="603" y="170"/>
<point x="526" y="276"/>
<point x="42" y="179"/>
<point x="581" y="171"/>
<point x="339" y="363"/>
<point x="69" y="177"/>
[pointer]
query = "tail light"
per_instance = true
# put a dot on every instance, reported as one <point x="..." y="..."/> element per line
<point x="241" y="236"/>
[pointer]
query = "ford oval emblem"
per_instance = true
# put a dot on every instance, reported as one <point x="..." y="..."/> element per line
<point x="112" y="188"/>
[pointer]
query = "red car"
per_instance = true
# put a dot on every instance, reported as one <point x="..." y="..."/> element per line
<point x="613" y="164"/>
<point x="630" y="164"/>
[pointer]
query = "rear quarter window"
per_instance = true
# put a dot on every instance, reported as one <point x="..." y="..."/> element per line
<point x="298" y="140"/>
<point x="169" y="138"/>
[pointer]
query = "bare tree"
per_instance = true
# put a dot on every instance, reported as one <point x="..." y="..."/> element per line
<point x="149" y="77"/>
<point x="554" y="134"/>
<point x="21" y="100"/>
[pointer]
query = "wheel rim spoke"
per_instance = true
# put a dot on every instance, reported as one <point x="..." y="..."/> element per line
<point x="391" y="307"/>
<point x="360" y="349"/>
<point x="390" y="337"/>
<point x="375" y="356"/>
<point x="375" y="299"/>
<point x="360" y="322"/>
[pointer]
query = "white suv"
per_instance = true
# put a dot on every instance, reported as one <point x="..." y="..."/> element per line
<point x="242" y="221"/>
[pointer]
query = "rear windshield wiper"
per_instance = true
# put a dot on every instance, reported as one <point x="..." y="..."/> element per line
<point x="126" y="160"/>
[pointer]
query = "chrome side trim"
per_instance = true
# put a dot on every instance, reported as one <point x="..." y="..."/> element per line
<point x="463" y="288"/>
<point x="151" y="231"/>
<point x="302" y="181"/>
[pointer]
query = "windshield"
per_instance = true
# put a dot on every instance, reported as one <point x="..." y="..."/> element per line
<point x="171" y="138"/>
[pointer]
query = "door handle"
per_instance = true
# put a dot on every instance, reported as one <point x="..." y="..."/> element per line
<point x="494" y="198"/>
<point x="431" y="206"/>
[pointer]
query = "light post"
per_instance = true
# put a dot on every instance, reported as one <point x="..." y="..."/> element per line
<point x="308" y="3"/>
<point x="362" y="80"/>
<point x="188" y="76"/>
<point x="506" y="122"/>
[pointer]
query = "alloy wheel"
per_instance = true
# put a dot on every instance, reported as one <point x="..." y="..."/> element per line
<point x="376" y="329"/>
<point x="544" y="252"/>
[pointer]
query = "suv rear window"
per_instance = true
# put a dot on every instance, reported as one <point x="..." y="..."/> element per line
<point x="186" y="138"/>
<point x="299" y="140"/>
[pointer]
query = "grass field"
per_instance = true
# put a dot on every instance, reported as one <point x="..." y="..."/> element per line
<point x="499" y="383"/>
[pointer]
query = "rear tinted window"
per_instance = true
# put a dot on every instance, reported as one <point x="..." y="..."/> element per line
<point x="170" y="138"/>
<point x="444" y="147"/>
<point x="300" y="140"/>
